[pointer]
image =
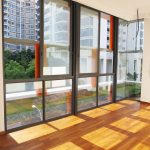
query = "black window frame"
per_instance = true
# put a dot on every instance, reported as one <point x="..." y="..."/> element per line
<point x="74" y="63"/>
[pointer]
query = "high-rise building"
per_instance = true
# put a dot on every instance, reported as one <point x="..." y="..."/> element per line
<point x="21" y="21"/>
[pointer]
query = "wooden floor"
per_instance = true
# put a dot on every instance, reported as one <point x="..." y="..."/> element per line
<point x="121" y="126"/>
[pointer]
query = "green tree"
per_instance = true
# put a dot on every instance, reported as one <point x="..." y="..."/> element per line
<point x="23" y="57"/>
<point x="7" y="56"/>
<point x="30" y="71"/>
<point x="13" y="70"/>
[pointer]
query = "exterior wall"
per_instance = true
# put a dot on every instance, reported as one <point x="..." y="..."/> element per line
<point x="1" y="76"/>
<point x="146" y="63"/>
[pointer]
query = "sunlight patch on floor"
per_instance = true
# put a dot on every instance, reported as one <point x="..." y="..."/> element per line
<point x="95" y="113"/>
<point x="128" y="102"/>
<point x="31" y="133"/>
<point x="145" y="114"/>
<point x="66" y="146"/>
<point x="128" y="124"/>
<point x="113" y="107"/>
<point x="140" y="146"/>
<point x="66" y="122"/>
<point x="105" y="138"/>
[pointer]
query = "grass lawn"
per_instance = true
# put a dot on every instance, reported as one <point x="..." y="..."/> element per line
<point x="25" y="105"/>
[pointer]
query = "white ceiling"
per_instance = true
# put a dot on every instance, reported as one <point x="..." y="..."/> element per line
<point x="125" y="9"/>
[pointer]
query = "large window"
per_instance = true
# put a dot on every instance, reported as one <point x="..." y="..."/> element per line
<point x="122" y="57"/>
<point x="105" y="83"/>
<point x="56" y="60"/>
<point x="130" y="57"/>
<point x="88" y="60"/>
<point x="88" y="40"/>
<point x="23" y="104"/>
<point x="106" y="44"/>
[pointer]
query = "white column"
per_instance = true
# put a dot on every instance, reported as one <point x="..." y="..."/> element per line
<point x="145" y="93"/>
<point x="1" y="76"/>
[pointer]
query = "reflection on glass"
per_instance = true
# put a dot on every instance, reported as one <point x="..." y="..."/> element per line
<point x="88" y="41"/>
<point x="86" y="93"/>
<point x="56" y="37"/>
<point x="105" y="90"/>
<point x="106" y="61"/>
<point x="58" y="98"/>
<point x="23" y="104"/>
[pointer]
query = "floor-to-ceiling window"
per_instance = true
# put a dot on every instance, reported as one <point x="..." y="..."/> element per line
<point x="88" y="59"/>
<point x="57" y="58"/>
<point x="52" y="70"/>
<point x="121" y="66"/>
<point x="130" y="55"/>
<point x="105" y="84"/>
<point x="21" y="30"/>
<point x="37" y="61"/>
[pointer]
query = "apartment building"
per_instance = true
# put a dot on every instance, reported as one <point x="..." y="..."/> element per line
<point x="21" y="21"/>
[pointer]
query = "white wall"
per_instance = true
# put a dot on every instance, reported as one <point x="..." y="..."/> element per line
<point x="126" y="9"/>
<point x="145" y="95"/>
<point x="1" y="76"/>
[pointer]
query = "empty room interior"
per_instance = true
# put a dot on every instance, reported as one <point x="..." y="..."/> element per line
<point x="74" y="75"/>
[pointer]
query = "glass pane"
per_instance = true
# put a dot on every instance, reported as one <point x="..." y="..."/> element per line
<point x="130" y="59"/>
<point x="58" y="98"/>
<point x="135" y="37"/>
<point x="106" y="61"/>
<point x="131" y="40"/>
<point x="122" y="58"/>
<point x="134" y="74"/>
<point x="122" y="35"/>
<point x="56" y="37"/>
<point x="105" y="90"/>
<point x="86" y="93"/>
<point x="105" y="31"/>
<point x="88" y="41"/>
<point x="121" y="75"/>
<point x="23" y="104"/>
<point x="21" y="28"/>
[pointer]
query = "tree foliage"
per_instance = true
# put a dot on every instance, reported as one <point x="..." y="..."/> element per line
<point x="19" y="64"/>
<point x="14" y="70"/>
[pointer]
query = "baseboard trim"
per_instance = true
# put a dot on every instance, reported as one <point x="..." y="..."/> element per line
<point x="2" y="133"/>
